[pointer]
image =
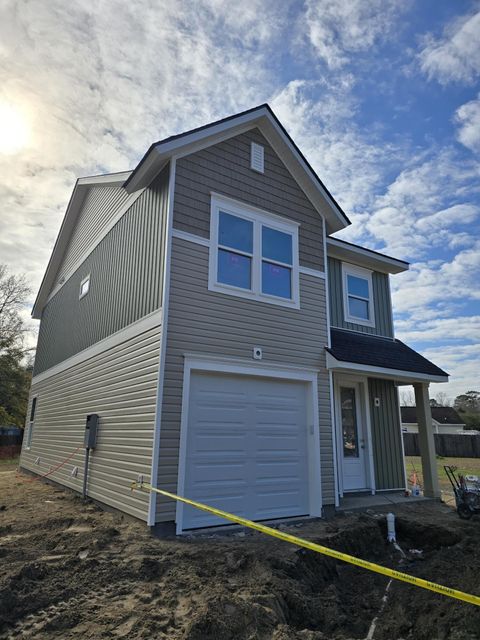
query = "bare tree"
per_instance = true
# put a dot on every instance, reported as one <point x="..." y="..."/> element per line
<point x="14" y="375"/>
<point x="14" y="291"/>
<point x="443" y="400"/>
<point x="407" y="399"/>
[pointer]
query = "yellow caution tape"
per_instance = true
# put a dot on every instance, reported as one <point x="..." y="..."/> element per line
<point x="313" y="546"/>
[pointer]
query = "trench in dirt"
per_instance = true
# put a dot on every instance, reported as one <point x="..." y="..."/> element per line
<point x="82" y="573"/>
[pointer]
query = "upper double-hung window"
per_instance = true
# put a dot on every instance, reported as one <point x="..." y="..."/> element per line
<point x="253" y="254"/>
<point x="358" y="295"/>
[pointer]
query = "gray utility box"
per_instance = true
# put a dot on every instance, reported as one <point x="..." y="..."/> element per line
<point x="91" y="427"/>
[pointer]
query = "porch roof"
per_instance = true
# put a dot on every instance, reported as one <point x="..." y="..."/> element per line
<point x="383" y="357"/>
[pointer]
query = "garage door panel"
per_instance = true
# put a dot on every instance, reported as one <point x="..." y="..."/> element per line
<point x="246" y="447"/>
<point x="278" y="469"/>
<point x="219" y="443"/>
<point x="212" y="470"/>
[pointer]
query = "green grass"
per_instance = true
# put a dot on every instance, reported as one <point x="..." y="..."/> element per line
<point x="8" y="463"/>
<point x="465" y="466"/>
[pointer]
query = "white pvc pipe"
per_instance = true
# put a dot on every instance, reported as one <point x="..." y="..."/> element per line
<point x="391" y="527"/>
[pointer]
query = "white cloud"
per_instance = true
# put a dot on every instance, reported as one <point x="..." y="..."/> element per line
<point x="428" y="284"/>
<point x="339" y="29"/>
<point x="416" y="213"/>
<point x="428" y="328"/>
<point x="468" y="118"/>
<point x="100" y="81"/>
<point x="352" y="163"/>
<point x="461" y="362"/>
<point x="455" y="57"/>
<point x="458" y="214"/>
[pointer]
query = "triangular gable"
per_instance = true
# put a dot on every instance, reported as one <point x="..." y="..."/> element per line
<point x="78" y="200"/>
<point x="262" y="117"/>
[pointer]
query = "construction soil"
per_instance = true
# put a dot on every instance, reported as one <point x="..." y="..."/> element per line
<point x="70" y="570"/>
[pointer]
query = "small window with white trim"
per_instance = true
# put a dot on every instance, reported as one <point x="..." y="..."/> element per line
<point x="253" y="253"/>
<point x="358" y="295"/>
<point x="31" y="421"/>
<point x="84" y="287"/>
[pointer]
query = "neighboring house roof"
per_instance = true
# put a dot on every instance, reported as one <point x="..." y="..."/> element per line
<point x="381" y="354"/>
<point x="368" y="258"/>
<point x="442" y="415"/>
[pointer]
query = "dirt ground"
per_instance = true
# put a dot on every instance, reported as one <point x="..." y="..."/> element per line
<point x="69" y="570"/>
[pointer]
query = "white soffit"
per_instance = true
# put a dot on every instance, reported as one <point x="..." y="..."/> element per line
<point x="368" y="258"/>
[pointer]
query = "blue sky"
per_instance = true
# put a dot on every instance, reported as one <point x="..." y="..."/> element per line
<point x="381" y="95"/>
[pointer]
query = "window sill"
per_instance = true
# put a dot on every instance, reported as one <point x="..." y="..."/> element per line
<point x="262" y="297"/>
<point x="363" y="323"/>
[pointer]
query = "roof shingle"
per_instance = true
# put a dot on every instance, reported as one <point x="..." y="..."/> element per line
<point x="374" y="351"/>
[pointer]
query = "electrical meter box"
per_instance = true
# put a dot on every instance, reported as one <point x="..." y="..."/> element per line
<point x="91" y="427"/>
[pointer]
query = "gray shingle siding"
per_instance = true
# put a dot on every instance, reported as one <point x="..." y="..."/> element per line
<point x="382" y="302"/>
<point x="225" y="168"/>
<point x="126" y="270"/>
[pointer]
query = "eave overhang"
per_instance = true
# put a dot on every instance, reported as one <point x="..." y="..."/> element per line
<point x="381" y="357"/>
<point x="374" y="260"/>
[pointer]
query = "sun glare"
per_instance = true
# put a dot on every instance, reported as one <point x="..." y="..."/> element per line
<point x="14" y="130"/>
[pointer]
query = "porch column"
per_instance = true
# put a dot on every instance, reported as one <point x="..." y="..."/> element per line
<point x="431" y="487"/>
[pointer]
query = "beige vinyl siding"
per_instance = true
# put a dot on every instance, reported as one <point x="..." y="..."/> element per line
<point x="126" y="278"/>
<point x="225" y="168"/>
<point x="99" y="208"/>
<point x="386" y="435"/>
<point x="212" y="323"/>
<point x="120" y="385"/>
<point x="382" y="302"/>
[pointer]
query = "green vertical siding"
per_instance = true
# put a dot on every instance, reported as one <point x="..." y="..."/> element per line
<point x="125" y="270"/>
<point x="381" y="295"/>
<point x="386" y="435"/>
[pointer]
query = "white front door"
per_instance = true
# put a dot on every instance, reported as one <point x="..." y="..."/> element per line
<point x="353" y="434"/>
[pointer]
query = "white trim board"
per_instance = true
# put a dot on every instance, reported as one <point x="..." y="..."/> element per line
<point x="307" y="271"/>
<point x="294" y="371"/>
<point x="368" y="258"/>
<point x="199" y="362"/>
<point x="205" y="242"/>
<point x="406" y="377"/>
<point x="401" y="439"/>
<point x="190" y="237"/>
<point x="106" y="180"/>
<point x="240" y="205"/>
<point x="153" y="319"/>
<point x="152" y="504"/>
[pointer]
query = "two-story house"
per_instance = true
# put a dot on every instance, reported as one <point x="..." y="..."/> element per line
<point x="234" y="351"/>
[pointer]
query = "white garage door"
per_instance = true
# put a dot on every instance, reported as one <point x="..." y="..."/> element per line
<point x="246" y="448"/>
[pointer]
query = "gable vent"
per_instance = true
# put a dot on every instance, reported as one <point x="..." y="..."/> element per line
<point x="256" y="157"/>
